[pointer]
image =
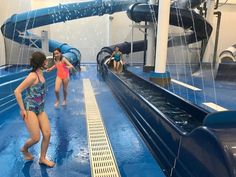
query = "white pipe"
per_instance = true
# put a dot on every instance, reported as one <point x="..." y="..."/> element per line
<point x="162" y="36"/>
<point x="44" y="39"/>
<point x="109" y="29"/>
<point x="132" y="40"/>
<point x="151" y="41"/>
<point x="152" y="2"/>
<point x="209" y="52"/>
<point x="228" y="54"/>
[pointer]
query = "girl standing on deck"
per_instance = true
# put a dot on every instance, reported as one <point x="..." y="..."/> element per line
<point x="63" y="66"/>
<point x="32" y="109"/>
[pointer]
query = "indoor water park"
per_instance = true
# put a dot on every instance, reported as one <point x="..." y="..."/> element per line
<point x="118" y="88"/>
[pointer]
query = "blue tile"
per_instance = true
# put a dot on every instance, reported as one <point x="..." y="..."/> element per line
<point x="68" y="146"/>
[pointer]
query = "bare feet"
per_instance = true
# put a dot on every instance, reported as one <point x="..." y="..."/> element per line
<point x="56" y="104"/>
<point x="46" y="162"/>
<point x="27" y="155"/>
<point x="63" y="103"/>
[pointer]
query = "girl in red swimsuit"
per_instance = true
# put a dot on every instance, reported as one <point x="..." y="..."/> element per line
<point x="63" y="66"/>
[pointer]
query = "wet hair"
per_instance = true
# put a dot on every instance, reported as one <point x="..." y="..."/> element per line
<point x="37" y="60"/>
<point x="59" y="50"/>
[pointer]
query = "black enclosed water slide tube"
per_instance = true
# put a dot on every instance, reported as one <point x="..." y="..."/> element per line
<point x="197" y="28"/>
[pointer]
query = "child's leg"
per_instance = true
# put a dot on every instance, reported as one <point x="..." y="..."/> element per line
<point x="65" y="83"/>
<point x="32" y="124"/>
<point x="114" y="65"/>
<point x="57" y="90"/>
<point x="118" y="65"/>
<point x="45" y="128"/>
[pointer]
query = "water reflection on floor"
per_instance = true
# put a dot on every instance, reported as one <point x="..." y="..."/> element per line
<point x="68" y="146"/>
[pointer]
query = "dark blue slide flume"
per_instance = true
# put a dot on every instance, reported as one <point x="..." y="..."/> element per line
<point x="187" y="140"/>
<point x="125" y="47"/>
<point x="182" y="17"/>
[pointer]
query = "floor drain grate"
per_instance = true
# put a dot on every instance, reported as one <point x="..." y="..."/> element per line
<point x="83" y="68"/>
<point x="103" y="163"/>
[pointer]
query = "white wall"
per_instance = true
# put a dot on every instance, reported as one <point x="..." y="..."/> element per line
<point x="121" y="26"/>
<point x="228" y="2"/>
<point x="228" y="27"/>
<point x="90" y="34"/>
<point x="7" y="9"/>
<point x="122" y="32"/>
<point x="37" y="4"/>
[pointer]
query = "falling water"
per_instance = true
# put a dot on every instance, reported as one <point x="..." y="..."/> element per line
<point x="182" y="51"/>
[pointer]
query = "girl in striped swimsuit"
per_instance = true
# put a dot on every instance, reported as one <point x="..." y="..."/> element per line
<point x="32" y="108"/>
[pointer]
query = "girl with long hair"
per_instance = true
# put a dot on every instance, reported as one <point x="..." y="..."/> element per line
<point x="62" y="65"/>
<point x="32" y="108"/>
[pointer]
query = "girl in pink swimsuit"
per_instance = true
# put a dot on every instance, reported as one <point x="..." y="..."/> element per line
<point x="63" y="66"/>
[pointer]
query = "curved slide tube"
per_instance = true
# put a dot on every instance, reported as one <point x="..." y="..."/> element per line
<point x="142" y="12"/>
<point x="185" y="18"/>
<point x="228" y="55"/>
<point x="18" y="24"/>
<point x="15" y="28"/>
<point x="187" y="4"/>
<point x="227" y="65"/>
<point x="125" y="48"/>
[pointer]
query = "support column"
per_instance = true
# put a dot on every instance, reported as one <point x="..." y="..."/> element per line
<point x="149" y="66"/>
<point x="44" y="39"/>
<point x="132" y="42"/>
<point x="209" y="52"/>
<point x="160" y="76"/>
<point x="109" y="29"/>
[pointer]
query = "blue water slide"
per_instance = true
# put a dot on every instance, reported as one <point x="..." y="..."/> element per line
<point x="180" y="15"/>
<point x="18" y="24"/>
<point x="125" y="47"/>
<point x="187" y="4"/>
<point x="16" y="29"/>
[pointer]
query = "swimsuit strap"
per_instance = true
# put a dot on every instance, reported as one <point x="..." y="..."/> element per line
<point x="38" y="77"/>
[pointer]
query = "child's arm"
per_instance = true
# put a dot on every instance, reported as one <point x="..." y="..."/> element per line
<point x="122" y="58"/>
<point x="30" y="79"/>
<point x="68" y="64"/>
<point x="51" y="68"/>
<point x="113" y="53"/>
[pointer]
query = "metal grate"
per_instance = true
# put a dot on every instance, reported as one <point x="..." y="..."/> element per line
<point x="83" y="68"/>
<point x="102" y="160"/>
